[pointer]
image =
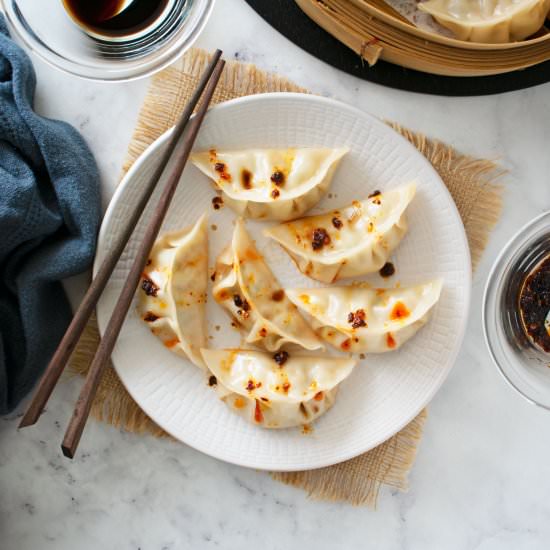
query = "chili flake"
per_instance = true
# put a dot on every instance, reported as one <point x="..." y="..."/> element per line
<point x="357" y="319"/>
<point x="387" y="270"/>
<point x="278" y="178"/>
<point x="150" y="317"/>
<point x="149" y="287"/>
<point x="281" y="357"/>
<point x="320" y="238"/>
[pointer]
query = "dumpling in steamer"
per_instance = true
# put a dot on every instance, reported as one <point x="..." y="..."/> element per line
<point x="246" y="288"/>
<point x="489" y="21"/>
<point x="348" y="242"/>
<point x="277" y="390"/>
<point x="370" y="320"/>
<point x="172" y="295"/>
<point x="272" y="184"/>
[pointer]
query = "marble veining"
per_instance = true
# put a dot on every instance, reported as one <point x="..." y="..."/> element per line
<point x="482" y="475"/>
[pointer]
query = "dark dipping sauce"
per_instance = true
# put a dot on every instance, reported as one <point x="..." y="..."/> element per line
<point x="105" y="16"/>
<point x="534" y="304"/>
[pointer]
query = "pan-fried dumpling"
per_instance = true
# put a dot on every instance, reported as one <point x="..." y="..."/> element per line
<point x="371" y="320"/>
<point x="272" y="184"/>
<point x="489" y="21"/>
<point x="280" y="390"/>
<point x="348" y="242"/>
<point x="172" y="295"/>
<point x="246" y="288"/>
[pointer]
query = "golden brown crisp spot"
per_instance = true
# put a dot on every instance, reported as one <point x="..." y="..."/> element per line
<point x="390" y="341"/>
<point x="171" y="343"/>
<point x="258" y="416"/>
<point x="213" y="276"/>
<point x="212" y="153"/>
<point x="286" y="387"/>
<point x="246" y="178"/>
<point x="362" y="356"/>
<point x="275" y="194"/>
<point x="252" y="254"/>
<point x="239" y="403"/>
<point x="278" y="295"/>
<point x="212" y="380"/>
<point x="374" y="194"/>
<point x="307" y="429"/>
<point x="399" y="311"/>
<point x="303" y="410"/>
<point x="319" y="396"/>
<point x="223" y="295"/>
<point x="150" y="317"/>
<point x="346" y="344"/>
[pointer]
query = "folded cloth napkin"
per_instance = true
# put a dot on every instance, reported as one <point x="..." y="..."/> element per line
<point x="49" y="216"/>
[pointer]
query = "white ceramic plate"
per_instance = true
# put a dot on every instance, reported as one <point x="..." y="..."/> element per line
<point x="385" y="392"/>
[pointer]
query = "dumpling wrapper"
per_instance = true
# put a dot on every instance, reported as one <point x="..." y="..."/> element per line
<point x="489" y="21"/>
<point x="173" y="291"/>
<point x="271" y="184"/>
<point x="257" y="388"/>
<point x="391" y="316"/>
<point x="246" y="288"/>
<point x="362" y="236"/>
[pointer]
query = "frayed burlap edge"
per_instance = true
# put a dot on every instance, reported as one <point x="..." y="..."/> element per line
<point x="473" y="184"/>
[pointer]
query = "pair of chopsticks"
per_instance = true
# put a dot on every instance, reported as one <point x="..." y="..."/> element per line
<point x="177" y="151"/>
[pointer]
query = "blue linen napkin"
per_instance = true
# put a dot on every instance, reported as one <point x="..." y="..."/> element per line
<point x="49" y="216"/>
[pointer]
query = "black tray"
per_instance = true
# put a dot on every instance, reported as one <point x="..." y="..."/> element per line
<point x="288" y="19"/>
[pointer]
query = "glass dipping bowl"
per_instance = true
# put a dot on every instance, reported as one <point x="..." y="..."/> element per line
<point x="524" y="366"/>
<point x="46" y="28"/>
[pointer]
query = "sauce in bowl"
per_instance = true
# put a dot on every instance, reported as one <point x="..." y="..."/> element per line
<point x="534" y="305"/>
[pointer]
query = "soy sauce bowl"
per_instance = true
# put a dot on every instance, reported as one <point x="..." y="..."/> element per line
<point x="48" y="29"/>
<point x="524" y="366"/>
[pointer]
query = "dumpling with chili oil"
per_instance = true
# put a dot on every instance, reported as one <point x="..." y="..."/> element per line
<point x="369" y="320"/>
<point x="172" y="294"/>
<point x="279" y="390"/>
<point x="245" y="286"/>
<point x="271" y="184"/>
<point x="348" y="242"/>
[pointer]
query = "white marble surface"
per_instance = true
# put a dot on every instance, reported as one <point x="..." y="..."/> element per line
<point x="482" y="477"/>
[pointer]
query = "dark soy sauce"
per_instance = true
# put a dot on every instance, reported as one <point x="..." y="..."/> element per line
<point x="105" y="17"/>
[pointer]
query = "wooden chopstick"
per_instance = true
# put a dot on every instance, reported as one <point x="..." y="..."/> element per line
<point x="103" y="353"/>
<point x="74" y="331"/>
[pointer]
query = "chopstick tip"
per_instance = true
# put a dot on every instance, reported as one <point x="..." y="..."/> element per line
<point x="67" y="451"/>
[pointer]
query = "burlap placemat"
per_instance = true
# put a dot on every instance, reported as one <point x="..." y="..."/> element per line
<point x="471" y="183"/>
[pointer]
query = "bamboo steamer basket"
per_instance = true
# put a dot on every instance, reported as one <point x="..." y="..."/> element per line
<point x="374" y="30"/>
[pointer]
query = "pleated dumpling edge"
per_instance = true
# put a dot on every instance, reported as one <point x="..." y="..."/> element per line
<point x="173" y="291"/>
<point x="277" y="394"/>
<point x="367" y="320"/>
<point x="270" y="184"/>
<point x="349" y="241"/>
